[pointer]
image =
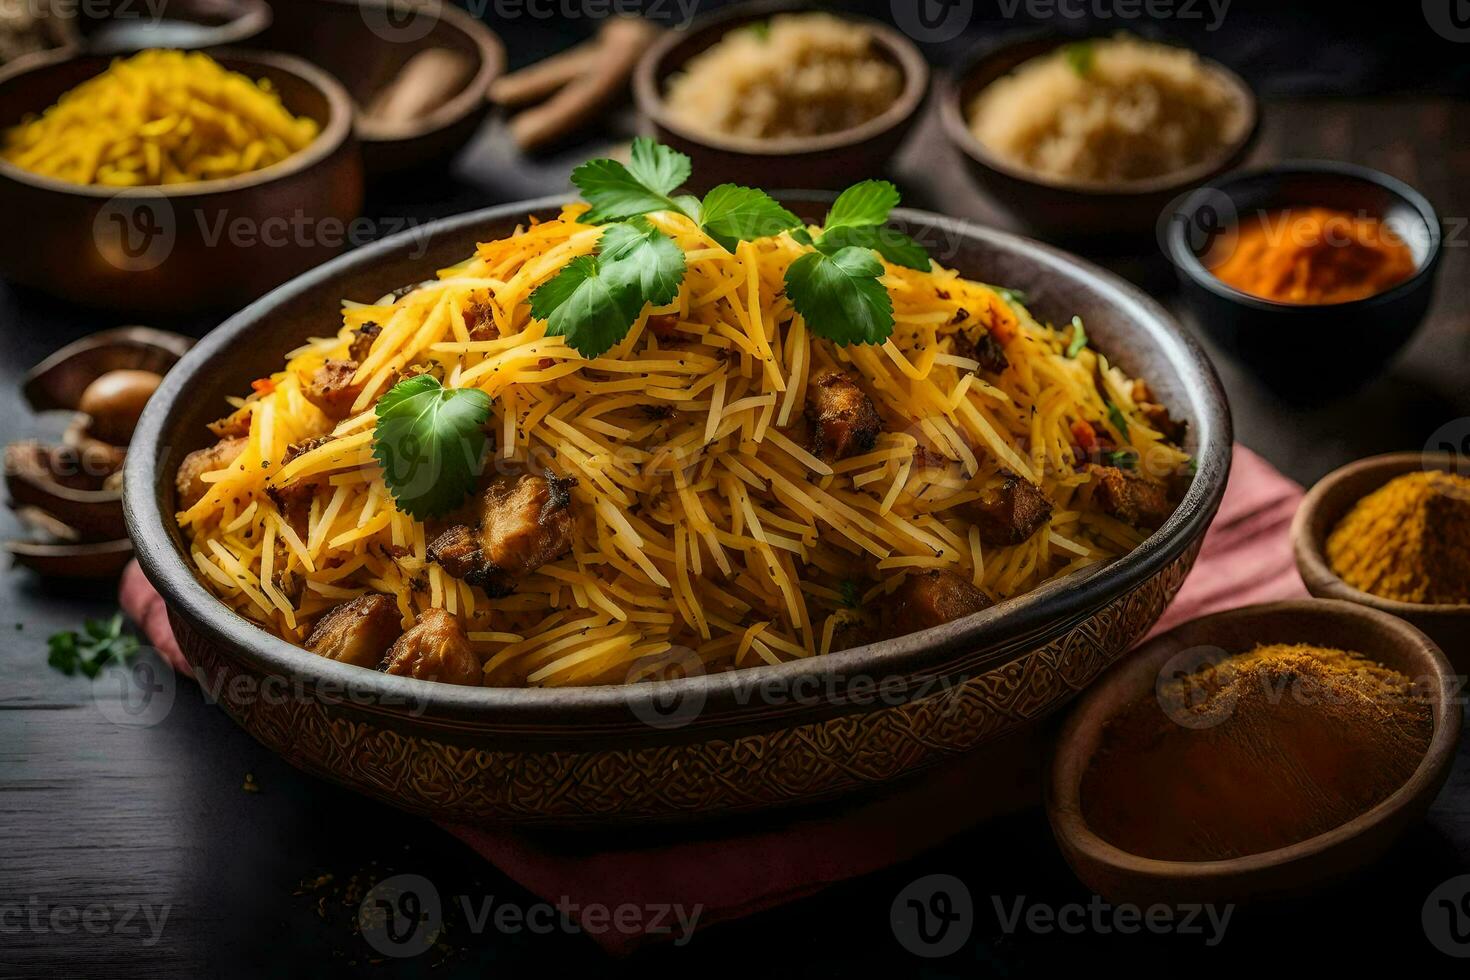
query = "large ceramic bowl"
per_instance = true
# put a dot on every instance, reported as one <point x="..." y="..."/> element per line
<point x="696" y="747"/>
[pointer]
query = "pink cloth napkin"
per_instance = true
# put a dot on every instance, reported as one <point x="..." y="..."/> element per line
<point x="724" y="875"/>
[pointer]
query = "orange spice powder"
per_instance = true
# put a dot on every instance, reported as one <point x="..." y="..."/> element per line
<point x="1311" y="256"/>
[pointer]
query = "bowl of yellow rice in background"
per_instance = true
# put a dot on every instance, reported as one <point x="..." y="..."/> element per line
<point x="725" y="571"/>
<point x="172" y="182"/>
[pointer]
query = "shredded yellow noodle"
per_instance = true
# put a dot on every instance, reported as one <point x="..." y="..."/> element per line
<point x="702" y="521"/>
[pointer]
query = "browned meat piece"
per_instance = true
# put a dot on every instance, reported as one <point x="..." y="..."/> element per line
<point x="435" y="649"/>
<point x="357" y="632"/>
<point x="843" y="418"/>
<point x="1157" y="415"/>
<point x="191" y="488"/>
<point x="987" y="350"/>
<point x="524" y="522"/>
<point x="234" y="425"/>
<point x="362" y="341"/>
<point x="664" y="326"/>
<point x="457" y="550"/>
<point x="332" y="390"/>
<point x="1130" y="497"/>
<point x="293" y="501"/>
<point x="1009" y="512"/>
<point x="480" y="320"/>
<point x="932" y="597"/>
<point x="854" y="628"/>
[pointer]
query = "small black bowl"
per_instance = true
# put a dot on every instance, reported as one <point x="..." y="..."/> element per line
<point x="1305" y="352"/>
<point x="1102" y="218"/>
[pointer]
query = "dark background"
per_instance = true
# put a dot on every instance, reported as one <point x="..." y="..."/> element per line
<point x="96" y="812"/>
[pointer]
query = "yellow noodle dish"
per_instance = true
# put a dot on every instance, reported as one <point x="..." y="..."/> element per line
<point x="661" y="424"/>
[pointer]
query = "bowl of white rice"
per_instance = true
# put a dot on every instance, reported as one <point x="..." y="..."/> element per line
<point x="1088" y="139"/>
<point x="789" y="95"/>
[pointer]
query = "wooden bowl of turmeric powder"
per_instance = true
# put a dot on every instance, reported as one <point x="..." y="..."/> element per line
<point x="1392" y="533"/>
<point x="1258" y="753"/>
<point x="170" y="182"/>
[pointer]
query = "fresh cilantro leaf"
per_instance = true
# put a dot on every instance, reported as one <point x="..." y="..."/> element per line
<point x="1193" y="466"/>
<point x="636" y="255"/>
<point x="1080" y="57"/>
<point x="614" y="193"/>
<point x="1124" y="459"/>
<point x="430" y="443"/>
<point x="1115" y="416"/>
<point x="841" y="297"/>
<point x="761" y="29"/>
<point x="592" y="311"/>
<point x="100" y="643"/>
<point x="894" y="246"/>
<point x="849" y="593"/>
<point x="732" y="214"/>
<point x="690" y="206"/>
<point x="657" y="167"/>
<point x="1079" y="337"/>
<point x="867" y="203"/>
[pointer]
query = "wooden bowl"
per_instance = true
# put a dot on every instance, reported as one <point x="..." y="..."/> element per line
<point x="706" y="746"/>
<point x="829" y="162"/>
<point x="1328" y="502"/>
<point x="1120" y="876"/>
<point x="1106" y="217"/>
<point x="181" y="248"/>
<point x="364" y="43"/>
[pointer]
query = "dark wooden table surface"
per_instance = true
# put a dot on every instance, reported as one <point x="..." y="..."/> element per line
<point x="128" y="845"/>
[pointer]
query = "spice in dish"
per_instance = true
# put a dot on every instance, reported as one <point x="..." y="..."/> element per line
<point x="159" y="117"/>
<point x="1260" y="751"/>
<point x="1311" y="256"/>
<point x="1409" y="540"/>
<point x="797" y="75"/>
<point x="1109" y="111"/>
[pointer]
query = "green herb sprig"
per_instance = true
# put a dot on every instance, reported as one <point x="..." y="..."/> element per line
<point x="594" y="300"/>
<point x="99" y="644"/>
<point x="430" y="441"/>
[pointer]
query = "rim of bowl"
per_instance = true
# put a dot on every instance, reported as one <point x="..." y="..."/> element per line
<point x="1183" y="257"/>
<point x="1308" y="549"/>
<point x="468" y="100"/>
<point x="1061" y="601"/>
<point x="1064" y="799"/>
<point x="955" y="122"/>
<point x="336" y="130"/>
<point x="253" y="17"/>
<point x="652" y="104"/>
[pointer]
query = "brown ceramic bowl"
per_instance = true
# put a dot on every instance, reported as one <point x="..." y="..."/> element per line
<point x="700" y="747"/>
<point x="1328" y="502"/>
<point x="829" y="162"/>
<point x="1122" y="877"/>
<point x="115" y="26"/>
<point x="1109" y="217"/>
<point x="364" y="43"/>
<point x="182" y="248"/>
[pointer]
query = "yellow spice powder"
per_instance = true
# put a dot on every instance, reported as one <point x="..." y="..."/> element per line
<point x="1409" y="540"/>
